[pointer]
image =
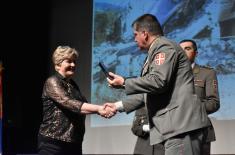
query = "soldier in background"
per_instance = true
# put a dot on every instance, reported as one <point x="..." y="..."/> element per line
<point x="140" y="128"/>
<point x="206" y="87"/>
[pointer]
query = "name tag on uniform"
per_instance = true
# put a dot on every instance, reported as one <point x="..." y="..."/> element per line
<point x="199" y="83"/>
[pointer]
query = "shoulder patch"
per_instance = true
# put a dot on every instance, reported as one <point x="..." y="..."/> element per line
<point x="159" y="58"/>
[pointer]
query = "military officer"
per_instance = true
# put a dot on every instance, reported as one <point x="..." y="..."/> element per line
<point x="206" y="87"/>
<point x="176" y="117"/>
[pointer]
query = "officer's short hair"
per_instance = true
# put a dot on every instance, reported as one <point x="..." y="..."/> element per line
<point x="149" y="23"/>
<point x="192" y="41"/>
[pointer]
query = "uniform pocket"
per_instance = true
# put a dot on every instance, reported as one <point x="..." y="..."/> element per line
<point x="163" y="120"/>
<point x="200" y="88"/>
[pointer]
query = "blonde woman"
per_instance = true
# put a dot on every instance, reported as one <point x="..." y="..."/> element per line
<point x="64" y="108"/>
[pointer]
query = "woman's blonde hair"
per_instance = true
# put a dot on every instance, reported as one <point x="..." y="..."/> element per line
<point x="64" y="52"/>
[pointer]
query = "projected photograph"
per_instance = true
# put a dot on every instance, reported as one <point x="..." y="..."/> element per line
<point x="211" y="23"/>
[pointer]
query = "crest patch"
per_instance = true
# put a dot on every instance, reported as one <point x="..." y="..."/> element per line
<point x="160" y="58"/>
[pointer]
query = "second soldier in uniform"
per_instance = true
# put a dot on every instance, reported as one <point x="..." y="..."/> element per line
<point x="140" y="128"/>
<point x="206" y="87"/>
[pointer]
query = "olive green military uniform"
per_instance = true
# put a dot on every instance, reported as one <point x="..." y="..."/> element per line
<point x="206" y="87"/>
<point x="166" y="87"/>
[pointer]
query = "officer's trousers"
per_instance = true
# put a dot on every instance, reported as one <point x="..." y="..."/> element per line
<point x="189" y="143"/>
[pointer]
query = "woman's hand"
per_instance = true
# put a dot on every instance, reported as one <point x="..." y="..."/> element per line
<point x="106" y="111"/>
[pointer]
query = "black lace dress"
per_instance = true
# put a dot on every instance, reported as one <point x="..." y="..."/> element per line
<point x="62" y="124"/>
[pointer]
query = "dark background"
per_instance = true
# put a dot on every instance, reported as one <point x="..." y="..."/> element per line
<point x="32" y="30"/>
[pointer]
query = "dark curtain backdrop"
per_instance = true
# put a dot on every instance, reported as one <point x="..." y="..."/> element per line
<point x="32" y="30"/>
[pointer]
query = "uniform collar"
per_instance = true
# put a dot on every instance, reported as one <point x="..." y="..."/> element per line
<point x="196" y="68"/>
<point x="153" y="46"/>
<point x="153" y="42"/>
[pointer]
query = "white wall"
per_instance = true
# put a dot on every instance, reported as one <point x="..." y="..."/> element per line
<point x="108" y="140"/>
<point x="120" y="140"/>
<point x="225" y="137"/>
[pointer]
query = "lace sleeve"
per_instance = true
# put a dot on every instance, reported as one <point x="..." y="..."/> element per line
<point x="55" y="90"/>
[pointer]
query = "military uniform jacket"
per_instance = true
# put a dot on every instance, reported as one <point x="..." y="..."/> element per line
<point x="142" y="143"/>
<point x="206" y="87"/>
<point x="140" y="119"/>
<point x="166" y="87"/>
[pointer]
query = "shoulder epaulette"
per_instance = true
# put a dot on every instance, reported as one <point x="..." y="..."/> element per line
<point x="206" y="66"/>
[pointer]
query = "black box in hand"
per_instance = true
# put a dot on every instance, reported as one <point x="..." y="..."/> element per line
<point x="105" y="70"/>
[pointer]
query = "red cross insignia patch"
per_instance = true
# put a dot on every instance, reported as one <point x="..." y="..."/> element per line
<point x="160" y="58"/>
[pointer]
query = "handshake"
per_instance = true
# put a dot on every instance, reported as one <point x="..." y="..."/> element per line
<point x="107" y="110"/>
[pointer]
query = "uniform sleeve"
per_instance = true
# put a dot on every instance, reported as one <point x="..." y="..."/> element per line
<point x="54" y="90"/>
<point x="212" y="100"/>
<point x="162" y="66"/>
<point x="133" y="102"/>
